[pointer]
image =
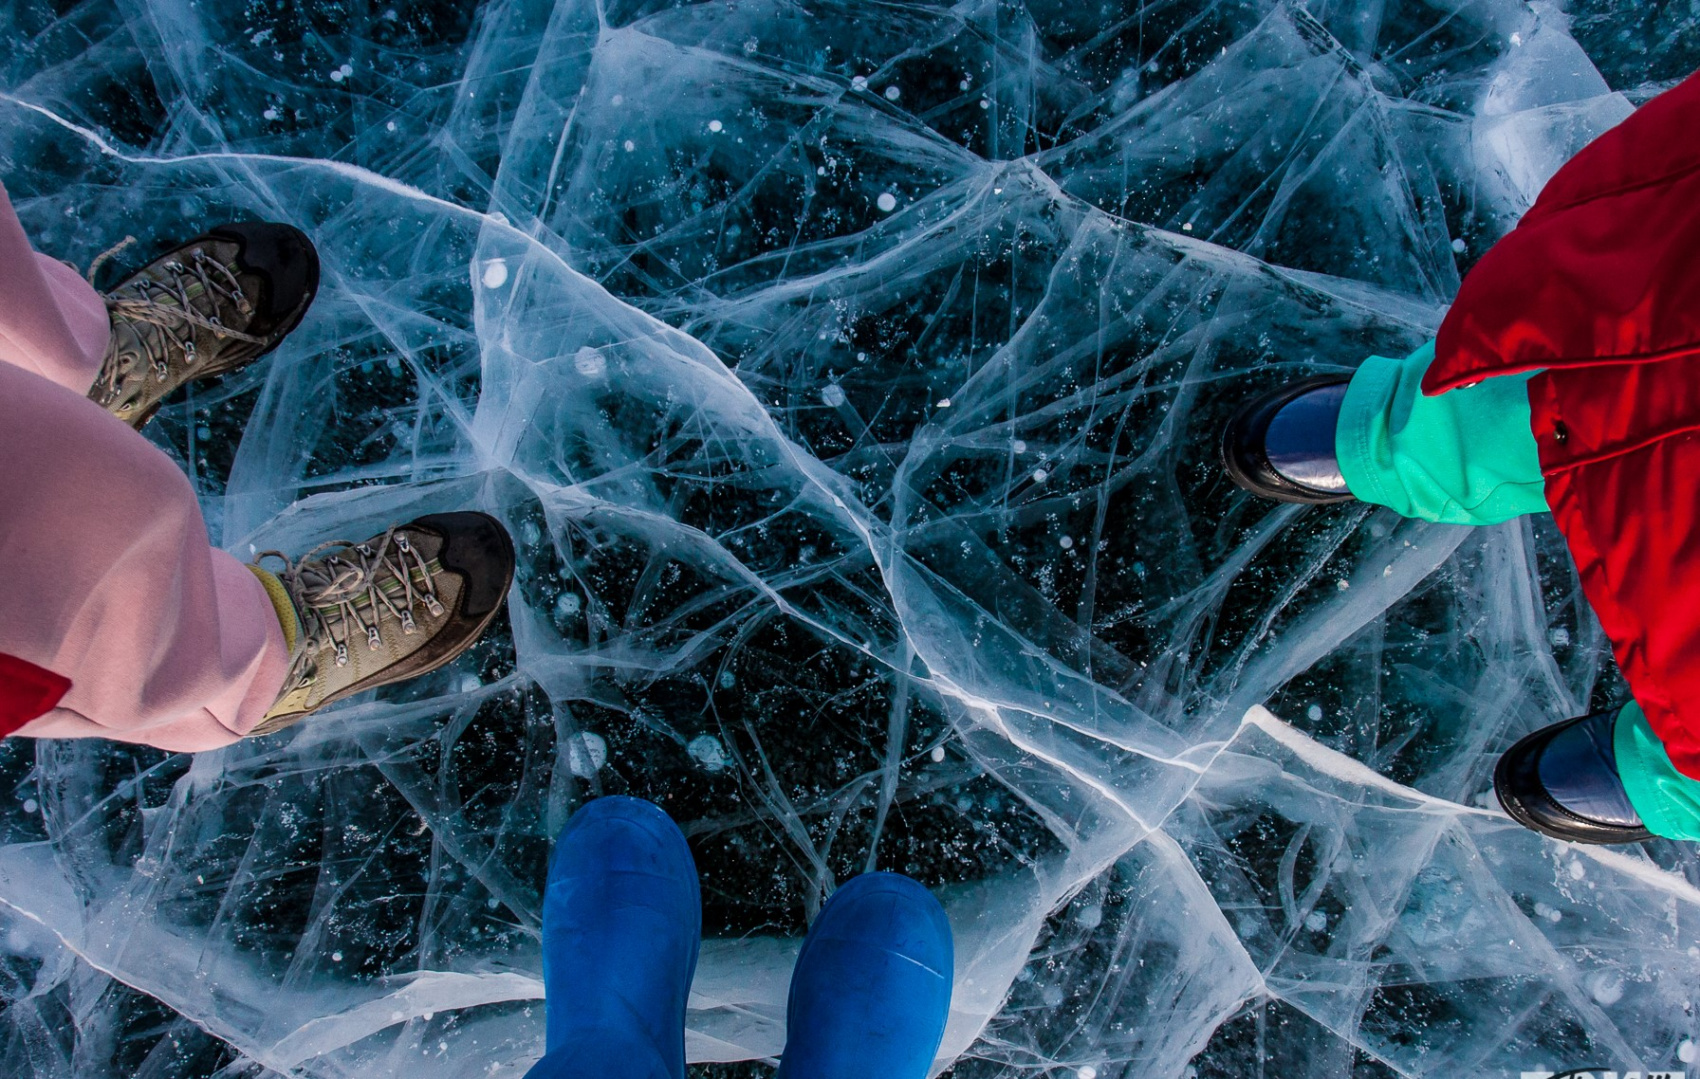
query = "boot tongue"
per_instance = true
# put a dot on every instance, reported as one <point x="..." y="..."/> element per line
<point x="1578" y="768"/>
<point x="1300" y="440"/>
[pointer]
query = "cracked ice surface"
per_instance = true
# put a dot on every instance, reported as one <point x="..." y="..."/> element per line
<point x="847" y="374"/>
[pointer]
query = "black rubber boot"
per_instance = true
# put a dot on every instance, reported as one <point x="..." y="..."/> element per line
<point x="1281" y="445"/>
<point x="209" y="307"/>
<point x="1562" y="782"/>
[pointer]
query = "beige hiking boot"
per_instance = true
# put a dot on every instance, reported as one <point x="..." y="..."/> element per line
<point x="362" y="615"/>
<point x="217" y="303"/>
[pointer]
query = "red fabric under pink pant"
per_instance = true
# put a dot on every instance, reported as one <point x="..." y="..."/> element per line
<point x="106" y="573"/>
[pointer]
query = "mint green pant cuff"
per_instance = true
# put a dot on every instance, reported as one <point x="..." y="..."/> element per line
<point x="1465" y="457"/>
<point x="1667" y="800"/>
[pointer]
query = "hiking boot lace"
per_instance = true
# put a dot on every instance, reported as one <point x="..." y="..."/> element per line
<point x="328" y="594"/>
<point x="163" y="315"/>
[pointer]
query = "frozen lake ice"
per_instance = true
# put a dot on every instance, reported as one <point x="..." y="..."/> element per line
<point x="848" y="375"/>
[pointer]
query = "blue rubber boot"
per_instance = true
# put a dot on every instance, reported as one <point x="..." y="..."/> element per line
<point x="871" y="991"/>
<point x="622" y="919"/>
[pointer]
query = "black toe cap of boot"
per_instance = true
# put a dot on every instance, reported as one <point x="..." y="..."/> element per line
<point x="476" y="546"/>
<point x="1245" y="445"/>
<point x="1562" y="781"/>
<point x="287" y="265"/>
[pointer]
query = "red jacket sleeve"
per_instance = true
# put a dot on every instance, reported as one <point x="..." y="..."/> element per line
<point x="1604" y="269"/>
<point x="26" y="691"/>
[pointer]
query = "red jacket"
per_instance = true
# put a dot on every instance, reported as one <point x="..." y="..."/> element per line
<point x="1599" y="287"/>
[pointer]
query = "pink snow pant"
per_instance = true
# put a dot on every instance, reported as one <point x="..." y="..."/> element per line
<point x="106" y="573"/>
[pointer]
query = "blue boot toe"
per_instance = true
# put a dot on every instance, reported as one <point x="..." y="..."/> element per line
<point x="622" y="919"/>
<point x="871" y="991"/>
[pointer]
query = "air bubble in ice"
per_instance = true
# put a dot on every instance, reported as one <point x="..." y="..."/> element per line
<point x="707" y="751"/>
<point x="1606" y="986"/>
<point x="589" y="363"/>
<point x="587" y="752"/>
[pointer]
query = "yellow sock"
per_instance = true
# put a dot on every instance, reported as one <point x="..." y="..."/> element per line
<point x="281" y="602"/>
